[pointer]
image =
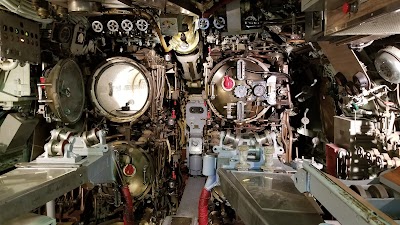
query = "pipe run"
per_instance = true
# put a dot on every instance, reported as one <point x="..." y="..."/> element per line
<point x="51" y="209"/>
<point x="212" y="181"/>
<point x="128" y="212"/>
<point x="203" y="206"/>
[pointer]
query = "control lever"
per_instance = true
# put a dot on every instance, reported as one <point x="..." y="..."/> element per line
<point x="305" y="121"/>
<point x="306" y="92"/>
<point x="212" y="90"/>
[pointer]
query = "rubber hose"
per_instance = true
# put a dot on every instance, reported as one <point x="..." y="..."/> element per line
<point x="128" y="212"/>
<point x="203" y="206"/>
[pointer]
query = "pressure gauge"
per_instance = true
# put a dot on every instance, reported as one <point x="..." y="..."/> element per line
<point x="259" y="90"/>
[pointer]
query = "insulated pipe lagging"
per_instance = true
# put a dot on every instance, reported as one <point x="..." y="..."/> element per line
<point x="203" y="206"/>
<point x="128" y="212"/>
<point x="51" y="209"/>
<point x="212" y="181"/>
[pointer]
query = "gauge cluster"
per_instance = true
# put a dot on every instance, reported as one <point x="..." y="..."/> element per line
<point x="143" y="103"/>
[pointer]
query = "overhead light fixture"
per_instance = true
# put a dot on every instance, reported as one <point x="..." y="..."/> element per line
<point x="387" y="63"/>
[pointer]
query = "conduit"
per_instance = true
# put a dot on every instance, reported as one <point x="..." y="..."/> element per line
<point x="203" y="206"/>
<point x="212" y="181"/>
<point x="128" y="213"/>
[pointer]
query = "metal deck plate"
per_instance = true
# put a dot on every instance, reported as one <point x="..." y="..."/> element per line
<point x="190" y="199"/>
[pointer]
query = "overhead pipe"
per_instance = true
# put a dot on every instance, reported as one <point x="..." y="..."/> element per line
<point x="289" y="131"/>
<point x="51" y="209"/>
<point x="24" y="9"/>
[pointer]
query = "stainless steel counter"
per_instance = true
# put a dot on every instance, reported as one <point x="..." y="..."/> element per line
<point x="267" y="198"/>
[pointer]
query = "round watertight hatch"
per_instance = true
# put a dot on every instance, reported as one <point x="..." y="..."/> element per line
<point x="121" y="89"/>
<point x="66" y="92"/>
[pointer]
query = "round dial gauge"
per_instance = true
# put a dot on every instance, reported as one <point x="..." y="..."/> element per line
<point x="259" y="90"/>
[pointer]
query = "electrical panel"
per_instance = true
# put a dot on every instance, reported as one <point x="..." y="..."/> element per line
<point x="17" y="36"/>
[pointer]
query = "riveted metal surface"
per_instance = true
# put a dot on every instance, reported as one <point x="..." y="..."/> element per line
<point x="66" y="91"/>
<point x="17" y="35"/>
<point x="223" y="97"/>
<point x="140" y="183"/>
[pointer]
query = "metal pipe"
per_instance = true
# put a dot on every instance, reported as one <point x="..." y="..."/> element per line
<point x="290" y="139"/>
<point x="114" y="136"/>
<point x="128" y="212"/>
<point x="286" y="130"/>
<point x="203" y="206"/>
<point x="391" y="123"/>
<point x="51" y="209"/>
<point x="212" y="181"/>
<point x="24" y="9"/>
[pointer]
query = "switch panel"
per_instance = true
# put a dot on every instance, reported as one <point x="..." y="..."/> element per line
<point x="19" y="38"/>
